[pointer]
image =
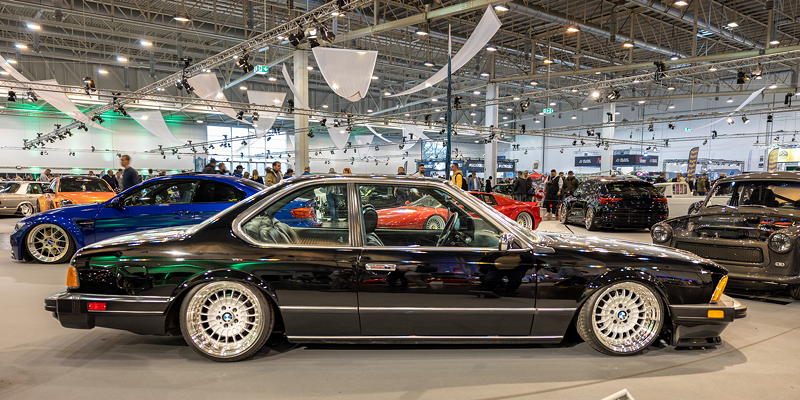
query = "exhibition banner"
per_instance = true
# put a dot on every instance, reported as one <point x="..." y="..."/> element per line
<point x="587" y="161"/>
<point x="773" y="158"/>
<point x="631" y="160"/>
<point x="692" y="164"/>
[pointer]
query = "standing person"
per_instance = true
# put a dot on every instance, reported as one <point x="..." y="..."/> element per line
<point x="150" y="173"/>
<point x="274" y="174"/>
<point x="702" y="185"/>
<point x="130" y="177"/>
<point x="223" y="170"/>
<point x="256" y="177"/>
<point x="552" y="191"/>
<point x="246" y="175"/>
<point x="420" y="171"/>
<point x="528" y="181"/>
<point x="474" y="184"/>
<point x="678" y="178"/>
<point x="238" y="171"/>
<point x="91" y="173"/>
<point x="347" y="171"/>
<point x="289" y="173"/>
<point x="110" y="179"/>
<point x="118" y="175"/>
<point x="570" y="184"/>
<point x="401" y="170"/>
<point x="457" y="177"/>
<point x="518" y="187"/>
<point x="331" y="170"/>
<point x="45" y="176"/>
<point x="488" y="188"/>
<point x="307" y="170"/>
<point x="211" y="167"/>
<point x="662" y="178"/>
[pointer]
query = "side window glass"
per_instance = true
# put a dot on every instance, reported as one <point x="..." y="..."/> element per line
<point x="313" y="216"/>
<point x="161" y="193"/>
<point x="35" y="188"/>
<point x="489" y="199"/>
<point x="430" y="217"/>
<point x="217" y="192"/>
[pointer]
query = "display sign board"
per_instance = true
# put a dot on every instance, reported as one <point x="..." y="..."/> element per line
<point x="587" y="161"/>
<point x="506" y="165"/>
<point x="474" y="166"/>
<point x="692" y="163"/>
<point x="631" y="160"/>
<point x="788" y="155"/>
<point x="261" y="69"/>
<point x="773" y="158"/>
<point x="548" y="110"/>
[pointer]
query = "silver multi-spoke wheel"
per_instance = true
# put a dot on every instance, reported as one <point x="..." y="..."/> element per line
<point x="588" y="221"/>
<point x="26" y="209"/>
<point x="525" y="220"/>
<point x="49" y="243"/>
<point x="622" y="319"/>
<point x="562" y="214"/>
<point x="434" y="223"/>
<point x="226" y="320"/>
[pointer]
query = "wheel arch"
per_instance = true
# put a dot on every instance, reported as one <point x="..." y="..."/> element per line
<point x="172" y="324"/>
<point x="71" y="229"/>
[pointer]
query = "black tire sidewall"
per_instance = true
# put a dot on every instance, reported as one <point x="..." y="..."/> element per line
<point x="257" y="346"/>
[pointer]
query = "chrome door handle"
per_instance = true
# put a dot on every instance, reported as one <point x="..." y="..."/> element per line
<point x="381" y="267"/>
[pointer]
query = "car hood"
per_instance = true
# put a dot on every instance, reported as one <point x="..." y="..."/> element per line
<point x="139" y="238"/>
<point x="741" y="217"/>
<point x="87" y="211"/>
<point x="626" y="248"/>
<point x="87" y="197"/>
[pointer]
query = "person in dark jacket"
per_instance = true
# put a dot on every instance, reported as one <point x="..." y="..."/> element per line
<point x="130" y="177"/>
<point x="488" y="187"/>
<point x="552" y="193"/>
<point x="211" y="167"/>
<point x="570" y="184"/>
<point x="110" y="179"/>
<point x="520" y="187"/>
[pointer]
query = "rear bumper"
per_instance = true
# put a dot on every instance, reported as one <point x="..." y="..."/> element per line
<point x="629" y="220"/>
<point x="139" y="314"/>
<point x="702" y="324"/>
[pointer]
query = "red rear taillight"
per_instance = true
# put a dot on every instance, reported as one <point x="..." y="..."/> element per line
<point x="302" y="212"/>
<point x="609" y="200"/>
<point x="660" y="200"/>
<point x="96" y="306"/>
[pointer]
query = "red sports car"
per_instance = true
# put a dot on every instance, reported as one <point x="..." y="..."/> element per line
<point x="525" y="213"/>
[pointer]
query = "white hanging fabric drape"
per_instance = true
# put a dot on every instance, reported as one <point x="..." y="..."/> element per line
<point x="412" y="133"/>
<point x="348" y="72"/>
<point x="265" y="118"/>
<point x="378" y="135"/>
<point x="299" y="101"/>
<point x="744" y="103"/>
<point x="484" y="32"/>
<point x="58" y="100"/>
<point x="339" y="136"/>
<point x="153" y="121"/>
<point x="206" y="86"/>
<point x="363" y="140"/>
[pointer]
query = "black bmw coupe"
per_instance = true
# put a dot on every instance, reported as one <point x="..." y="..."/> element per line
<point x="290" y="261"/>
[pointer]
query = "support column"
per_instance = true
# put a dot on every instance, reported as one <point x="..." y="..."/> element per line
<point x="607" y="132"/>
<point x="492" y="119"/>
<point x="301" y="119"/>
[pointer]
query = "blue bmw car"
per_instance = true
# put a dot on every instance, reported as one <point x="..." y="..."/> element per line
<point x="53" y="236"/>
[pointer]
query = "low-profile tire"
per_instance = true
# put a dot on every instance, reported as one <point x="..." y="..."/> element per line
<point x="621" y="319"/>
<point x="434" y="223"/>
<point x="562" y="214"/>
<point x="226" y="320"/>
<point x="525" y="219"/>
<point x="588" y="220"/>
<point x="49" y="244"/>
<point x="26" y="209"/>
<point x="794" y="291"/>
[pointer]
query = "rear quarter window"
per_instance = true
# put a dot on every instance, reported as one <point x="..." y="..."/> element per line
<point x="217" y="192"/>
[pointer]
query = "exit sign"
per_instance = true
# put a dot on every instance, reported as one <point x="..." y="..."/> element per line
<point x="548" y="111"/>
<point x="687" y="129"/>
<point x="261" y="69"/>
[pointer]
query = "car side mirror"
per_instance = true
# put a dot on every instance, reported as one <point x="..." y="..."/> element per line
<point x="48" y="191"/>
<point x="696" y="206"/>
<point x="115" y="202"/>
<point x="506" y="242"/>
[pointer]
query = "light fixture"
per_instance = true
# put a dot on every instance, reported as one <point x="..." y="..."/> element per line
<point x="680" y="3"/>
<point x="369" y="110"/>
<point x="21" y="46"/>
<point x="745" y="119"/>
<point x="102" y="71"/>
<point x="387" y="93"/>
<point x="547" y="60"/>
<point x="324" y="106"/>
<point x="146" y="43"/>
<point x="585" y="108"/>
<point x="516" y="98"/>
<point x="729" y="120"/>
<point x="774" y="42"/>
<point x="674" y="57"/>
<point x="272" y="79"/>
<point x="595" y="94"/>
<point x="428" y="64"/>
<point x="491" y="48"/>
<point x="181" y="18"/>
<point x="534" y="83"/>
<point x="476" y="92"/>
<point x="773" y="86"/>
<point x="421" y="32"/>
<point x="671" y="88"/>
<point x="500" y="8"/>
<point x="733" y="24"/>
<point x="573" y="117"/>
<point x="730" y="100"/>
<point x="473" y="104"/>
<point x="627" y="45"/>
<point x="484" y="74"/>
<point x="11" y="61"/>
<point x="242" y="87"/>
<point x="122" y="59"/>
<point x="33" y="26"/>
<point x="671" y="106"/>
<point x="552" y="103"/>
<point x="573" y="29"/>
<point x="641" y="101"/>
<point x="199" y="121"/>
<point x="374" y="77"/>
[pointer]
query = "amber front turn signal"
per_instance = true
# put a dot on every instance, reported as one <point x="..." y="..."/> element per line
<point x="720" y="289"/>
<point x="72" y="278"/>
<point x="718" y="314"/>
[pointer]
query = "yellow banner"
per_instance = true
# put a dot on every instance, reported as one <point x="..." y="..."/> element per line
<point x="786" y="155"/>
<point x="772" y="161"/>
<point x="692" y="167"/>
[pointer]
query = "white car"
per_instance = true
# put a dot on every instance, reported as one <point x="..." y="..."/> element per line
<point x="679" y="197"/>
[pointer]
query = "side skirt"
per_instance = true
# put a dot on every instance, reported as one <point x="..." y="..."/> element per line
<point x="413" y="339"/>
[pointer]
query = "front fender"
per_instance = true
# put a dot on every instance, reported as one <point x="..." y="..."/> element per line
<point x="640" y="275"/>
<point x="18" y="237"/>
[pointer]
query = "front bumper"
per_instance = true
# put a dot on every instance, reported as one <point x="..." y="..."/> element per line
<point x="139" y="314"/>
<point x="702" y="324"/>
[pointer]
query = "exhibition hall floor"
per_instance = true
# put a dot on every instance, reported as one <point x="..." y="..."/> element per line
<point x="39" y="359"/>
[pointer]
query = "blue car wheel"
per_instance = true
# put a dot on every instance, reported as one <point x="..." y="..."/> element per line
<point x="49" y="244"/>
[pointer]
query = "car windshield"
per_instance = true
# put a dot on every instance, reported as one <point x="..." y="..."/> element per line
<point x="8" y="187"/>
<point x="426" y="201"/>
<point x="83" y="185"/>
<point x="783" y="194"/>
<point x="631" y="188"/>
